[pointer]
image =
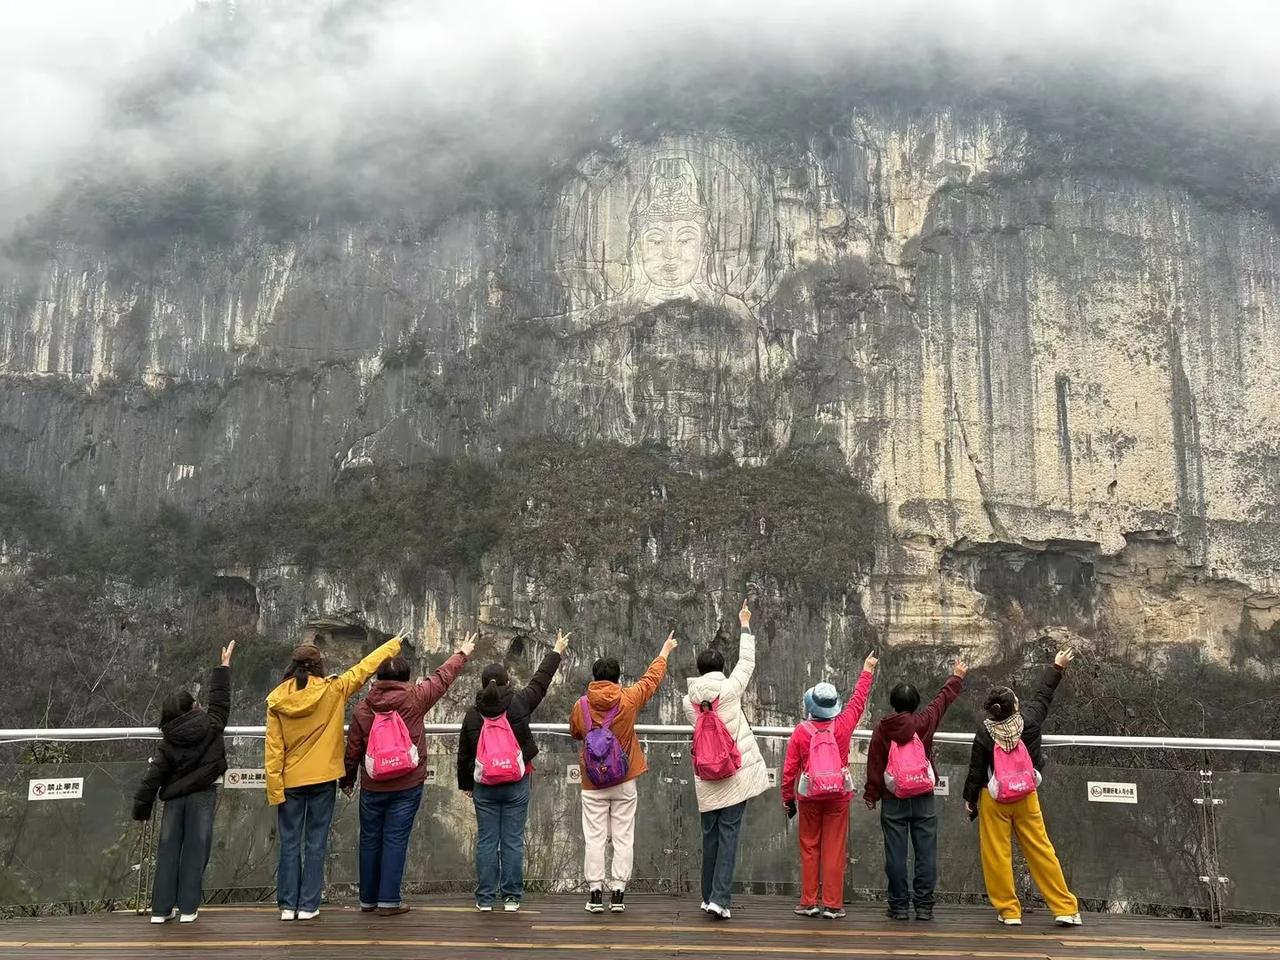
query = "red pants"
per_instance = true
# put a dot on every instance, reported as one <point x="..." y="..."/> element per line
<point x="824" y="841"/>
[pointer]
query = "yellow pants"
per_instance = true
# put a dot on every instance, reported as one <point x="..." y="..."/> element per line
<point x="997" y="823"/>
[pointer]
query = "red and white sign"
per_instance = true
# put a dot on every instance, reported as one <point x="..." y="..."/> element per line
<point x="62" y="788"/>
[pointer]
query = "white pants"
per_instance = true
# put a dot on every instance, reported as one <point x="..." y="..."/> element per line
<point x="609" y="814"/>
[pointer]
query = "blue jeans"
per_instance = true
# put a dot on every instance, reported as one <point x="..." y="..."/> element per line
<point x="303" y="822"/>
<point x="386" y="818"/>
<point x="914" y="818"/>
<point x="501" y="812"/>
<point x="720" y="832"/>
<point x="186" y="837"/>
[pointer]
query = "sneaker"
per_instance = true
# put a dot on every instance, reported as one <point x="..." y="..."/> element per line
<point x="615" y="902"/>
<point x="288" y="914"/>
<point x="1069" y="920"/>
<point x="807" y="910"/>
<point x="511" y="905"/>
<point x="896" y="913"/>
<point x="308" y="914"/>
<point x="924" y="913"/>
<point x="595" y="903"/>
<point x="1010" y="921"/>
<point x="365" y="908"/>
<point x="162" y="919"/>
<point x="703" y="907"/>
<point x="188" y="917"/>
<point x="393" y="911"/>
<point x="832" y="913"/>
<point x="485" y="907"/>
<point x="716" y="912"/>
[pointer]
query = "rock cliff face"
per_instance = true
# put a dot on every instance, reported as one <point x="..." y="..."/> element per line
<point x="1023" y="402"/>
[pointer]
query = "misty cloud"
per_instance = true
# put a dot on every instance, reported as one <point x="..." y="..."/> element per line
<point x="370" y="105"/>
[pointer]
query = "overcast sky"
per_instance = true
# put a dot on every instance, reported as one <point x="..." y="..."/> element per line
<point x="290" y="92"/>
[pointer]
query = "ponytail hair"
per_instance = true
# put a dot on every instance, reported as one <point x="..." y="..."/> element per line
<point x="301" y="670"/>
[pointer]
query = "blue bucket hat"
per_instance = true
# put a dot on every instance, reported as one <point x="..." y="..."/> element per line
<point x="822" y="702"/>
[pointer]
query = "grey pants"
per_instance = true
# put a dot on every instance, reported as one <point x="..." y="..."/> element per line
<point x="913" y="819"/>
<point x="186" y="838"/>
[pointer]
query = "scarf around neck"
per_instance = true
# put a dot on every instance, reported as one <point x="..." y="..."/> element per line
<point x="1005" y="732"/>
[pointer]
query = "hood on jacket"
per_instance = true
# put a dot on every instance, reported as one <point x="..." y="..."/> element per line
<point x="387" y="695"/>
<point x="288" y="701"/>
<point x="603" y="694"/>
<point x="706" y="687"/>
<point x="494" y="699"/>
<point x="899" y="727"/>
<point x="187" y="730"/>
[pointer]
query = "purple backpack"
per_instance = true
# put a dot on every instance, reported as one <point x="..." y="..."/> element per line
<point x="603" y="758"/>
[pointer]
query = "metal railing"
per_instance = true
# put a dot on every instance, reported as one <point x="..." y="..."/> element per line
<point x="70" y="734"/>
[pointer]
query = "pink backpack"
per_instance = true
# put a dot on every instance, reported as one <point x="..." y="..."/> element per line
<point x="390" y="751"/>
<point x="909" y="772"/>
<point x="715" y="753"/>
<point x="499" y="758"/>
<point x="825" y="774"/>
<point x="1013" y="775"/>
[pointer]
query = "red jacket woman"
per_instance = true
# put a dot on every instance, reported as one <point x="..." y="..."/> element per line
<point x="824" y="823"/>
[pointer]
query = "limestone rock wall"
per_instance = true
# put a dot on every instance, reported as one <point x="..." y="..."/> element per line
<point x="1063" y="392"/>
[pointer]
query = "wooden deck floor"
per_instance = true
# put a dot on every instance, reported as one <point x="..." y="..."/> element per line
<point x="654" y="926"/>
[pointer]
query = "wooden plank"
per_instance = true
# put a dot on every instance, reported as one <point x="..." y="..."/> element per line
<point x="654" y="926"/>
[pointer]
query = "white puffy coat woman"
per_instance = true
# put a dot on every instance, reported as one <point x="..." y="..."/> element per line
<point x="722" y="803"/>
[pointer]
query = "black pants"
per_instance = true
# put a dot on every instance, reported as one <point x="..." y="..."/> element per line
<point x="720" y="832"/>
<point x="186" y="838"/>
<point x="913" y="818"/>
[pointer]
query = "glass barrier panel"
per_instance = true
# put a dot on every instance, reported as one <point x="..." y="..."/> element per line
<point x="1249" y="840"/>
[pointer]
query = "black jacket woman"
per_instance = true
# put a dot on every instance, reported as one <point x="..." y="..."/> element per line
<point x="503" y="809"/>
<point x="186" y="765"/>
<point x="1008" y="724"/>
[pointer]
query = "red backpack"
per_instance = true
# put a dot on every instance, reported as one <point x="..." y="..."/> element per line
<point x="499" y="758"/>
<point x="909" y="772"/>
<point x="390" y="751"/>
<point x="825" y="775"/>
<point x="715" y="753"/>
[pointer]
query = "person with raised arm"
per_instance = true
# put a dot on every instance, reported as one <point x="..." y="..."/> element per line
<point x="1002" y="794"/>
<point x="604" y="719"/>
<point x="387" y="750"/>
<point x="900" y="776"/>
<point x="727" y="765"/>
<point x="495" y="770"/>
<point x="184" y="772"/>
<point x="304" y="762"/>
<point x="817" y="784"/>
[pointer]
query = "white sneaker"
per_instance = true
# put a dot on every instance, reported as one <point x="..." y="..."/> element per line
<point x="485" y="907"/>
<point x="511" y="906"/>
<point x="703" y="907"/>
<point x="1069" y="920"/>
<point x="716" y="910"/>
<point x="172" y="913"/>
<point x="188" y="917"/>
<point x="288" y="914"/>
<point x="308" y="914"/>
<point x="1010" y="921"/>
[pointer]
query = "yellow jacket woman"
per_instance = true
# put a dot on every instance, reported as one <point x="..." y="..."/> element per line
<point x="304" y="761"/>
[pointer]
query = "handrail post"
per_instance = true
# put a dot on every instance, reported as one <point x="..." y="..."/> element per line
<point x="1215" y="883"/>
<point x="676" y="852"/>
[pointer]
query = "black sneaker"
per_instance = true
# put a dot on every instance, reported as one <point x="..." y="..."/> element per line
<point x="615" y="902"/>
<point x="897" y="913"/>
<point x="924" y="913"/>
<point x="596" y="902"/>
